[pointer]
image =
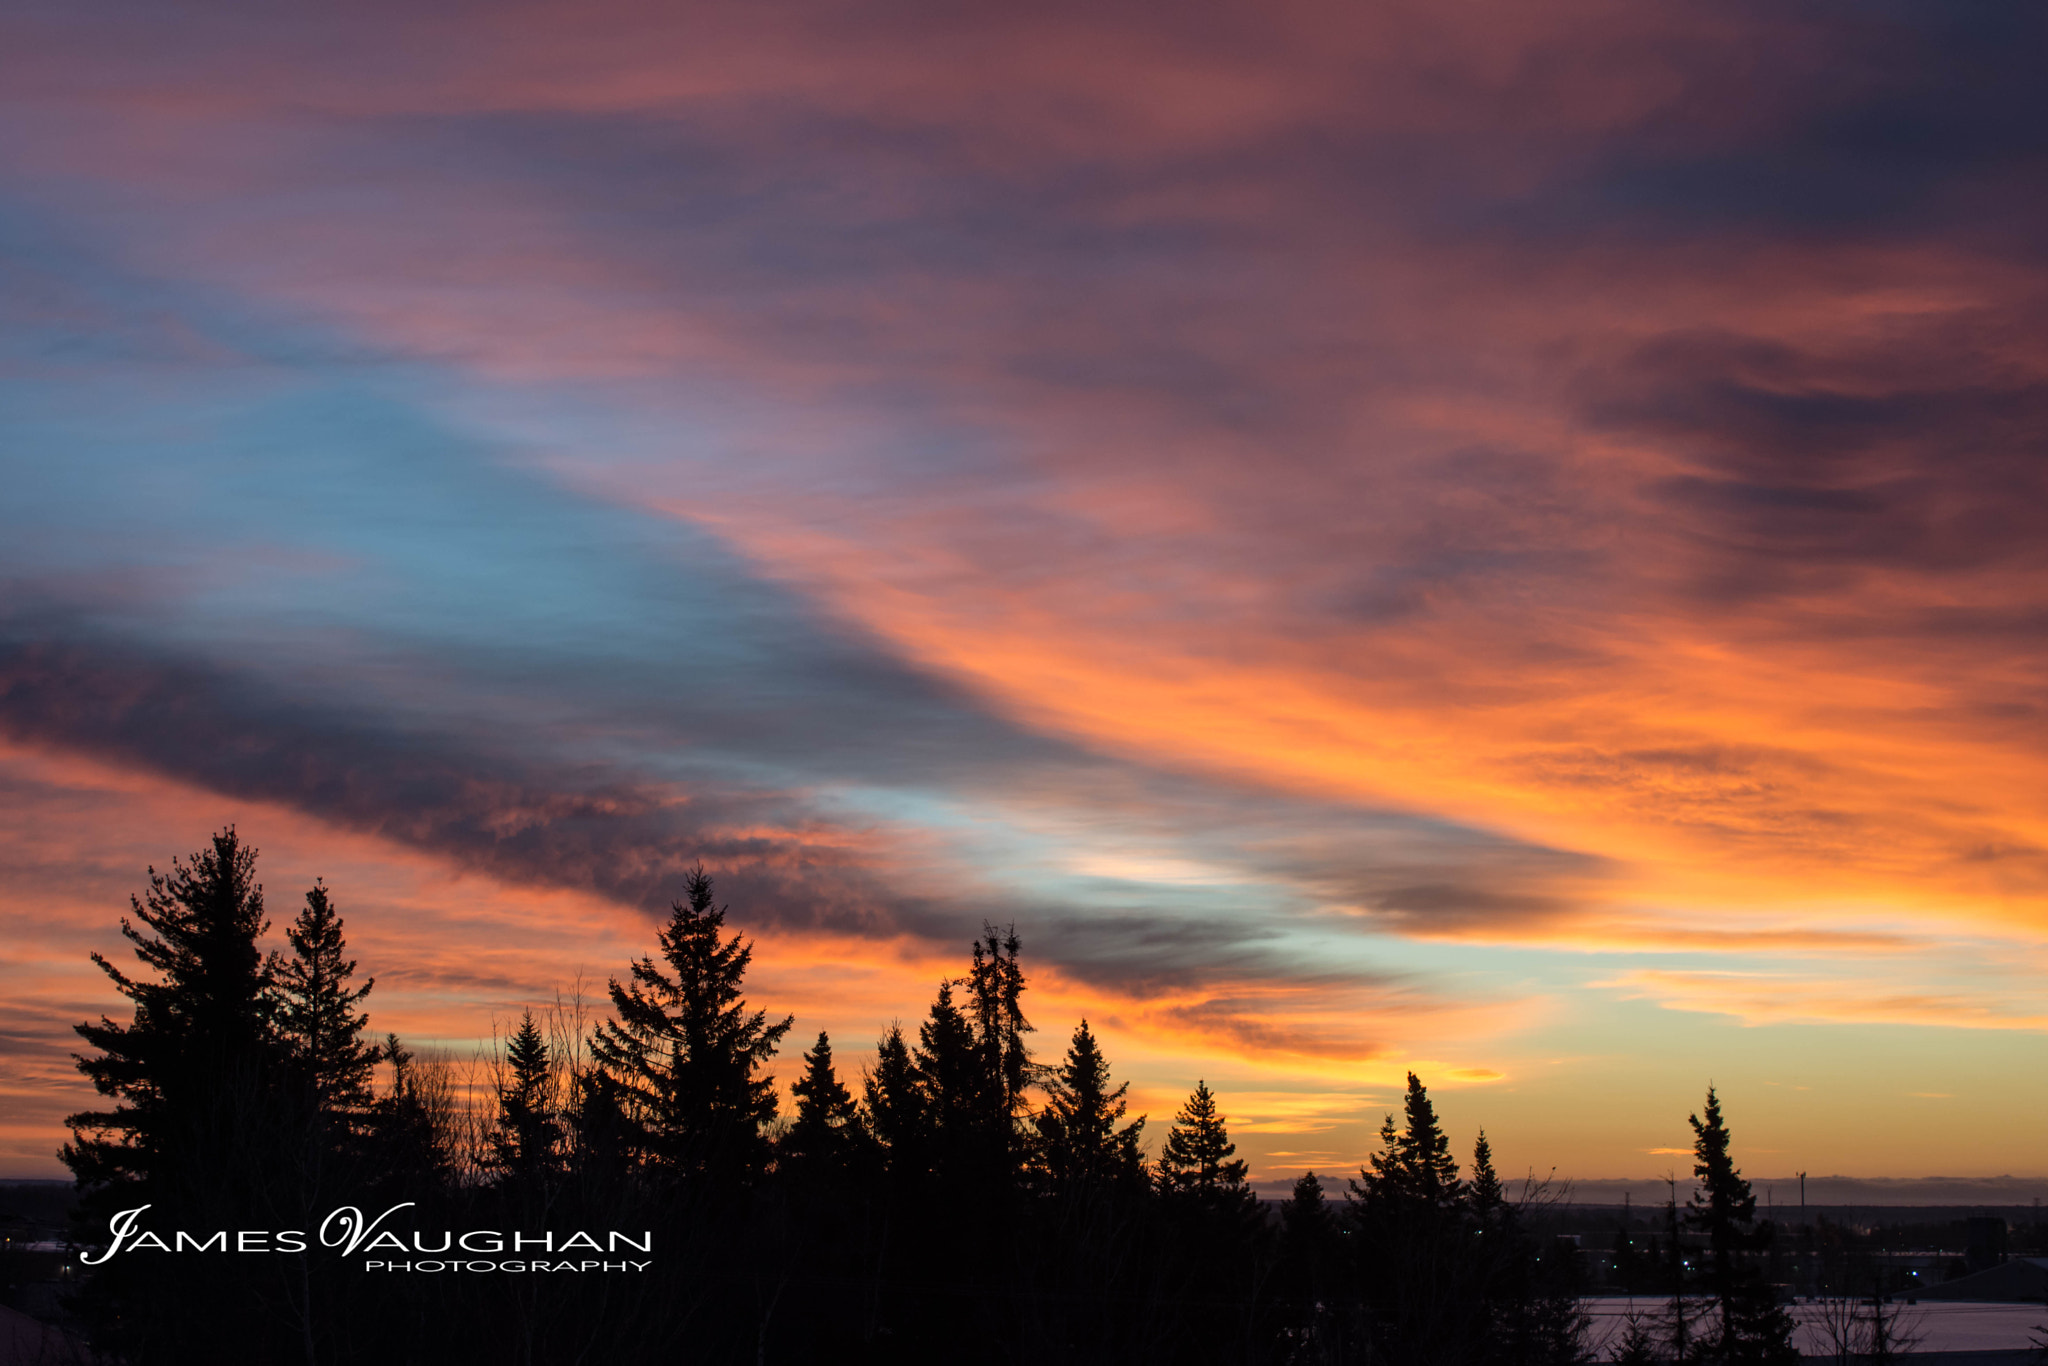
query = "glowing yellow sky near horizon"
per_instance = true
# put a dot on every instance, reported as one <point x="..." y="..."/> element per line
<point x="475" y="950"/>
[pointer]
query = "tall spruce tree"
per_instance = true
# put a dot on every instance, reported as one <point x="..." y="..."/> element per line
<point x="412" y="1134"/>
<point x="995" y="986"/>
<point x="896" y="1105"/>
<point x="686" y="1054"/>
<point x="1082" y="1146"/>
<point x="197" y="1054"/>
<point x="526" y="1142"/>
<point x="1753" y="1328"/>
<point x="197" y="1132"/>
<point x="1081" y="1238"/>
<point x="1529" y="1306"/>
<point x="829" y="1134"/>
<point x="1490" y="1205"/>
<point x="1217" y="1237"/>
<point x="1414" y="1164"/>
<point x="326" y="1071"/>
<point x="1680" y="1322"/>
<point x="1422" y="1288"/>
<point x="1311" y="1251"/>
<point x="318" y="1026"/>
<point x="950" y="1078"/>
<point x="1197" y="1163"/>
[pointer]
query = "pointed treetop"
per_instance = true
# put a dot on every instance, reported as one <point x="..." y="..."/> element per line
<point x="529" y="1134"/>
<point x="686" y="1053"/>
<point x="317" y="1022"/>
<point x="206" y="915"/>
<point x="896" y="1101"/>
<point x="1489" y="1199"/>
<point x="1079" y="1144"/>
<point x="995" y="986"/>
<point x="1414" y="1165"/>
<point x="828" y="1126"/>
<point x="1307" y="1211"/>
<point x="1197" y="1161"/>
<point x="1724" y="1197"/>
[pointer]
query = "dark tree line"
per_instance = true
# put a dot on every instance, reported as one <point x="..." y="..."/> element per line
<point x="960" y="1201"/>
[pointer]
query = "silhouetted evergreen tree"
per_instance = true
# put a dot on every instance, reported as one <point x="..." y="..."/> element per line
<point x="995" y="987"/>
<point x="949" y="1075"/>
<point x="1082" y="1147"/>
<point x="909" y="1237"/>
<point x="828" y="1138"/>
<point x="316" y="1017"/>
<point x="897" y="1106"/>
<point x="1197" y="1162"/>
<point x="196" y="1131"/>
<point x="971" y="1067"/>
<point x="1421" y="1286"/>
<point x="199" y="1033"/>
<point x="1215" y="1230"/>
<point x="527" y="1139"/>
<point x="1309" y="1281"/>
<point x="1637" y="1345"/>
<point x="685" y="1053"/>
<point x="1415" y="1165"/>
<point x="830" y="1221"/>
<point x="1529" y="1305"/>
<point x="1680" y="1327"/>
<point x="326" y="1074"/>
<point x="1085" y="1280"/>
<point x="1490" y="1205"/>
<point x="1753" y="1327"/>
<point x="411" y="1127"/>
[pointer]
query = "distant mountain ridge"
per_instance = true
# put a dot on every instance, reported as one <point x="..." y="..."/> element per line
<point x="1775" y="1191"/>
<point x="1835" y="1190"/>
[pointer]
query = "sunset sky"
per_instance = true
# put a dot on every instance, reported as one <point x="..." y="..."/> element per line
<point x="1505" y="541"/>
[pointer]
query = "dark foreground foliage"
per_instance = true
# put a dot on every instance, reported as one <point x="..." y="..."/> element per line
<point x="961" y="1202"/>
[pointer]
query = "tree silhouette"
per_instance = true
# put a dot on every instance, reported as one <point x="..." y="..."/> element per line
<point x="326" y="1071"/>
<point x="995" y="986"/>
<point x="1079" y="1145"/>
<point x="526" y="1143"/>
<point x="1422" y="1285"/>
<point x="1414" y="1164"/>
<point x="829" y="1132"/>
<point x="685" y="1053"/>
<point x="1311" y="1250"/>
<point x="1197" y="1162"/>
<point x="1528" y="1304"/>
<point x="196" y="1130"/>
<point x="1753" y="1327"/>
<point x="199" y="1037"/>
<point x="965" y="1149"/>
<point x="1083" y="1232"/>
<point x="1215" y="1234"/>
<point x="896" y="1104"/>
<point x="1489" y="1201"/>
<point x="412" y="1125"/>
<point x="316" y="1017"/>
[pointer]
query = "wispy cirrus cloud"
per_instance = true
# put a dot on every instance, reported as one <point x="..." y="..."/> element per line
<point x="1777" y="997"/>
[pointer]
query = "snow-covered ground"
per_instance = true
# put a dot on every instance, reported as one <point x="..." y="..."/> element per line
<point x="1944" y="1327"/>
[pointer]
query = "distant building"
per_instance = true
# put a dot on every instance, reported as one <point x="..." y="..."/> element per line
<point x="2022" y="1280"/>
<point x="1985" y="1239"/>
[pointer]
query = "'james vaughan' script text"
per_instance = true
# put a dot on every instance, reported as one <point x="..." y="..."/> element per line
<point x="347" y="1230"/>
